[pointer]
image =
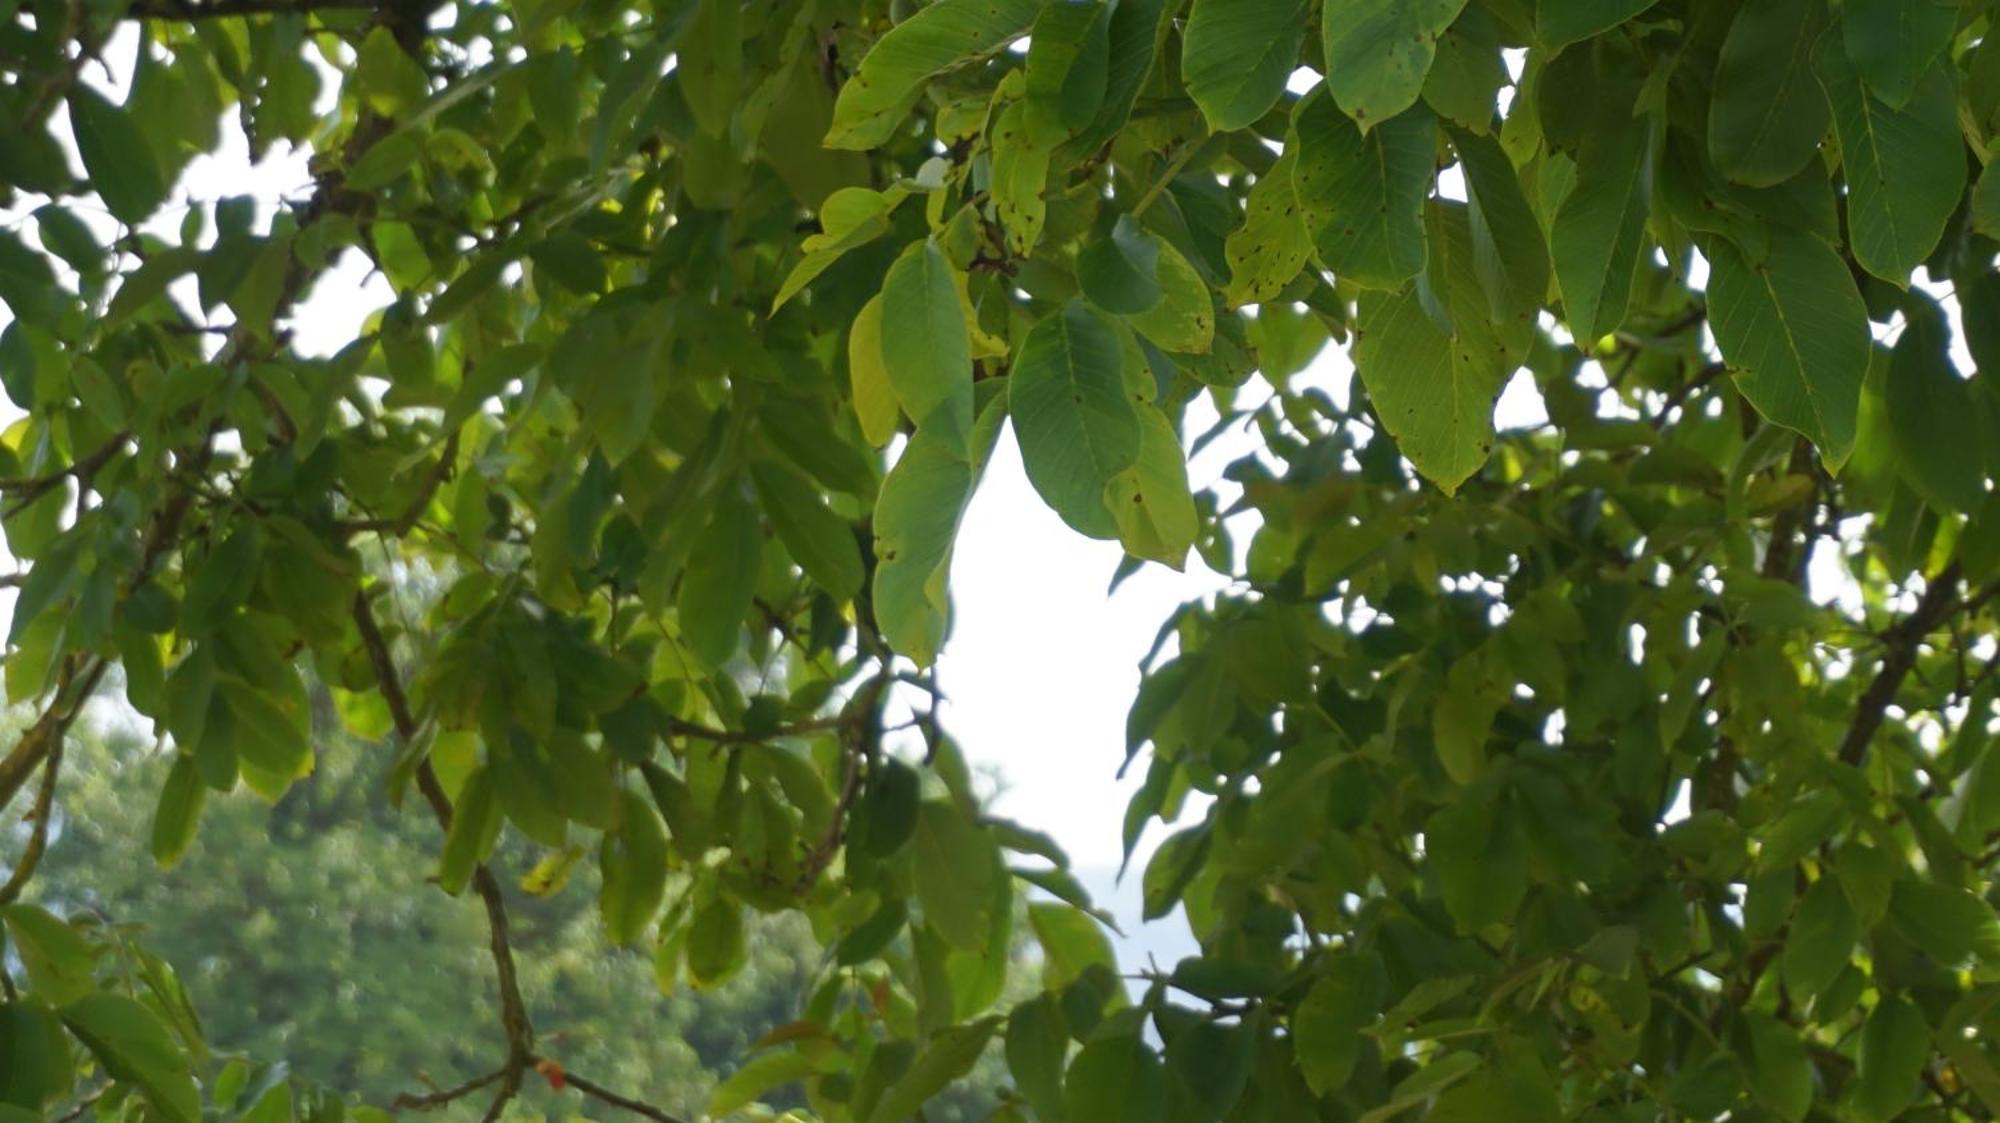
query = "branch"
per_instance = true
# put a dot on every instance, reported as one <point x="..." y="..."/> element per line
<point x="744" y="737"/>
<point x="1939" y="601"/>
<point x="590" y="1088"/>
<point x="26" y="491"/>
<point x="402" y="524"/>
<point x="41" y="813"/>
<point x="513" y="1011"/>
<point x="431" y="1101"/>
<point x="215" y="9"/>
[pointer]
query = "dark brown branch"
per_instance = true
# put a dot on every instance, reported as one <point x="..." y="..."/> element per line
<point x="636" y="1107"/>
<point x="41" y="813"/>
<point x="431" y="1101"/>
<point x="513" y="1010"/>
<point x="26" y="491"/>
<point x="1900" y="643"/>
<point x="46" y="734"/>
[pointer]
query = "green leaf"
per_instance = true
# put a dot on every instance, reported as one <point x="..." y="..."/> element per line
<point x="1600" y="231"/>
<point x="1115" y="1079"/>
<point x="1781" y="1075"/>
<point x="1037" y="1045"/>
<point x="1558" y="23"/>
<point x="1516" y="1093"/>
<point x="721" y="579"/>
<point x="136" y="1049"/>
<point x="1767" y="115"/>
<point x="916" y="519"/>
<point x="950" y="1055"/>
<point x="475" y="826"/>
<point x="1469" y="72"/>
<point x="1272" y="245"/>
<point x="1434" y="388"/>
<point x="1173" y="866"/>
<point x="849" y="218"/>
<point x="1905" y="167"/>
<point x="1820" y="940"/>
<point x="820" y="541"/>
<point x="937" y="38"/>
<point x="1151" y="501"/>
<point x="1210" y="1064"/>
<point x="271" y="732"/>
<point x="1119" y="272"/>
<point x="57" y="958"/>
<point x="1895" y="1045"/>
<point x="1362" y="197"/>
<point x="1378" y="52"/>
<point x="1073" y="943"/>
<point x="116" y="157"/>
<point x="633" y="861"/>
<point x="390" y="81"/>
<point x="1183" y="319"/>
<point x="1077" y="427"/>
<point x="926" y="349"/>
<point x="1067" y="61"/>
<point x="35" y="1064"/>
<point x="385" y="161"/>
<point x="1795" y="332"/>
<point x="1236" y="56"/>
<point x="957" y="867"/>
<point x="1508" y="252"/>
<point x="874" y="395"/>
<point x="1947" y="923"/>
<point x="1475" y="850"/>
<point x="221" y="581"/>
<point x="1892" y="43"/>
<point x="716" y="946"/>
<point x="710" y="57"/>
<point x="1933" y="416"/>
<point x="179" y="811"/>
<point x="747" y="1084"/>
<point x="1326" y="1027"/>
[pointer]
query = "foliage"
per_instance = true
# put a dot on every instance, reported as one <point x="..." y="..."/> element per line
<point x="299" y="933"/>
<point x="654" y="322"/>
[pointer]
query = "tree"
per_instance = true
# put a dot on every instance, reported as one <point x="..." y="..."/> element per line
<point x="300" y="937"/>
<point x="1627" y="763"/>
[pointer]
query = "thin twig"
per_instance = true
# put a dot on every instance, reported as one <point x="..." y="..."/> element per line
<point x="592" y="1088"/>
<point x="40" y="813"/>
<point x="513" y="1010"/>
<point x="431" y="1101"/>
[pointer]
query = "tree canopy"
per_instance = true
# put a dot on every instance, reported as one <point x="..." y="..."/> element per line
<point x="1629" y="764"/>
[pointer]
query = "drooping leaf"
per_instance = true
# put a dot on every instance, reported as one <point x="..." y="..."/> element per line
<point x="1363" y="196"/>
<point x="1378" y="53"/>
<point x="1905" y="167"/>
<point x="1237" y="54"/>
<point x="1795" y="333"/>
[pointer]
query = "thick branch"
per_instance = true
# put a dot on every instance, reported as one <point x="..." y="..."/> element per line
<point x="1939" y="601"/>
